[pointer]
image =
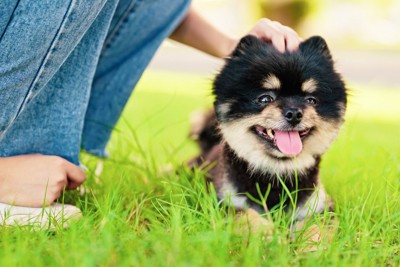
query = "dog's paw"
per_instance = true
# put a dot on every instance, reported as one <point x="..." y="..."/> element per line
<point x="250" y="222"/>
<point x="313" y="236"/>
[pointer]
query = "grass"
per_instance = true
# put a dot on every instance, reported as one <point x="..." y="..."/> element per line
<point x="140" y="214"/>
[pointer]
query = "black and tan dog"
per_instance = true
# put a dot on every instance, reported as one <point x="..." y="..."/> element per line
<point x="275" y="115"/>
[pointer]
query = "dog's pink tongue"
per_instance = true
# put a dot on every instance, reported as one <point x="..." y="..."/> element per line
<point x="289" y="143"/>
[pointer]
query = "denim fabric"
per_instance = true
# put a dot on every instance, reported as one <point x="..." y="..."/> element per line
<point x="62" y="60"/>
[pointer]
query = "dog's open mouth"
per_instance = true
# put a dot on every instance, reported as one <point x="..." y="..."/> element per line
<point x="287" y="142"/>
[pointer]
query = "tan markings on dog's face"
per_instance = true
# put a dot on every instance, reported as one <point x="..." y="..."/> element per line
<point x="310" y="117"/>
<point x="272" y="117"/>
<point x="271" y="82"/>
<point x="324" y="133"/>
<point x="248" y="147"/>
<point x="223" y="109"/>
<point x="309" y="86"/>
<point x="263" y="157"/>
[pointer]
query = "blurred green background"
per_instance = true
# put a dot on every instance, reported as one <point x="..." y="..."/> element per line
<point x="351" y="23"/>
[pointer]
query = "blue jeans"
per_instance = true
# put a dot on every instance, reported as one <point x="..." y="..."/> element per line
<point x="68" y="67"/>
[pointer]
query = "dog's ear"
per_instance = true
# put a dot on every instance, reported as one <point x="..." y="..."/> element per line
<point x="244" y="44"/>
<point x="316" y="44"/>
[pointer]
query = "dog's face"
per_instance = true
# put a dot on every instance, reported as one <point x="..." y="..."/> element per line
<point x="279" y="111"/>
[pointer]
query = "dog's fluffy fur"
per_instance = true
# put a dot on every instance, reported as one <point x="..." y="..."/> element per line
<point x="275" y="115"/>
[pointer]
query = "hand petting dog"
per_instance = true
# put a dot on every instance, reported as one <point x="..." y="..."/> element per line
<point x="280" y="36"/>
<point x="197" y="32"/>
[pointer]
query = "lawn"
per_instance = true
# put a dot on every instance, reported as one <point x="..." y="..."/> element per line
<point x="140" y="212"/>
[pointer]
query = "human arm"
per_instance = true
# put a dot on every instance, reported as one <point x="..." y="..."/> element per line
<point x="197" y="32"/>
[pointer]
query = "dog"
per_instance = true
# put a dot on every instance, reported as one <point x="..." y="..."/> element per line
<point x="275" y="114"/>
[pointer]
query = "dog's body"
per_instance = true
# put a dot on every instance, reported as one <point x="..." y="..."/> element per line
<point x="275" y="115"/>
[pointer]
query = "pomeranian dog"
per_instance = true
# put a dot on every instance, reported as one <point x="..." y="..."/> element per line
<point x="275" y="116"/>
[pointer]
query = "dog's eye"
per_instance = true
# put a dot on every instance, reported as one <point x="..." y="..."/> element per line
<point x="311" y="100"/>
<point x="265" y="99"/>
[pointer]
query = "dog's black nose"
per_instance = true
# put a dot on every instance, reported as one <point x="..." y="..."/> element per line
<point x="293" y="115"/>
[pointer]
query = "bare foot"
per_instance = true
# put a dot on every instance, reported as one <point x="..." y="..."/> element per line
<point x="36" y="180"/>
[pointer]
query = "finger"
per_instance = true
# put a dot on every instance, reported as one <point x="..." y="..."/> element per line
<point x="276" y="36"/>
<point x="292" y="39"/>
<point x="56" y="191"/>
<point x="278" y="41"/>
<point x="292" y="43"/>
<point x="75" y="175"/>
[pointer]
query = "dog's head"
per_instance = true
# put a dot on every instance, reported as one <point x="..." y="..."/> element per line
<point x="279" y="111"/>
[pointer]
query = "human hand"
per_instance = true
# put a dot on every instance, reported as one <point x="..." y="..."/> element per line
<point x="198" y="33"/>
<point x="282" y="37"/>
<point x="36" y="180"/>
